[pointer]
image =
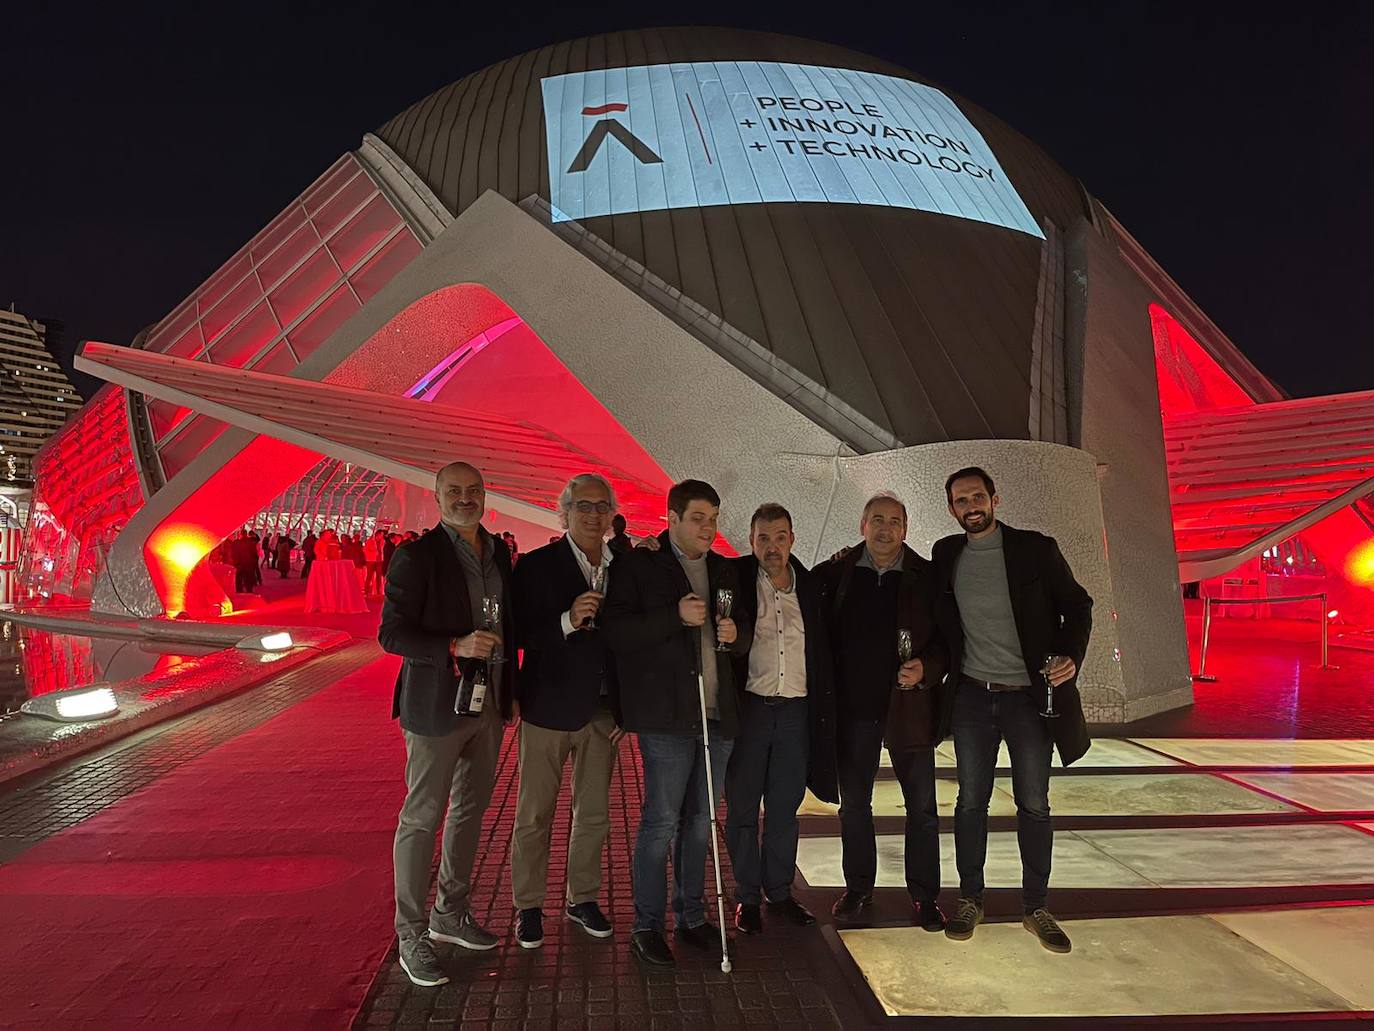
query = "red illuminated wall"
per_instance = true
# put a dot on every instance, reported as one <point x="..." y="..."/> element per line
<point x="1190" y="379"/>
<point x="85" y="490"/>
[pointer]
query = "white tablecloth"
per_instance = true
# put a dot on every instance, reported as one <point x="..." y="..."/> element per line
<point x="333" y="587"/>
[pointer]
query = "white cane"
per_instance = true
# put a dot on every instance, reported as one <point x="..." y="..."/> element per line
<point x="711" y="815"/>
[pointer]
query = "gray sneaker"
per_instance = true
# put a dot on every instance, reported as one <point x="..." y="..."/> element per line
<point x="420" y="963"/>
<point x="461" y="929"/>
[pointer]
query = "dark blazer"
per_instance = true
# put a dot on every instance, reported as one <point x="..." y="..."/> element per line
<point x="821" y="774"/>
<point x="913" y="717"/>
<point x="656" y="657"/>
<point x="1054" y="616"/>
<point x="560" y="677"/>
<point x="427" y="605"/>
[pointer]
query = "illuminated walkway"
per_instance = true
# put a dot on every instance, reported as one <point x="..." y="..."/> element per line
<point x="232" y="869"/>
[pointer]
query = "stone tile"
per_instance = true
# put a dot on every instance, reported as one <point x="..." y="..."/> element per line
<point x="1265" y="751"/>
<point x="1157" y="794"/>
<point x="1105" y="753"/>
<point x="1223" y="857"/>
<point x="1077" y="864"/>
<point x="887" y="801"/>
<point x="1325" y="792"/>
<point x="1117" y="967"/>
<point x="1333" y="945"/>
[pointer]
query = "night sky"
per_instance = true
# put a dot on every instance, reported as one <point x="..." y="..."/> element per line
<point x="145" y="146"/>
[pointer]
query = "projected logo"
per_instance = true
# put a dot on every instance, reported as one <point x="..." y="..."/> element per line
<point x="690" y="135"/>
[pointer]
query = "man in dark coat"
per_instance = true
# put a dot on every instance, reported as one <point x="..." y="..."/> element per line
<point x="284" y="544"/>
<point x="873" y="590"/>
<point x="308" y="553"/>
<point x="787" y="721"/>
<point x="657" y="622"/>
<point x="567" y="712"/>
<point x="243" y="553"/>
<point x="620" y="540"/>
<point x="430" y="617"/>
<point x="1015" y="618"/>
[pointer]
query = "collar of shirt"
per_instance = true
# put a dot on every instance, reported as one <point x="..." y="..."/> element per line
<point x="866" y="560"/>
<point x="583" y="563"/>
<point x="792" y="574"/>
<point x="680" y="554"/>
<point x="458" y="540"/>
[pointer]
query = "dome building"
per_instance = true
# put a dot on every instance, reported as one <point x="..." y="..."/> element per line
<point x="799" y="272"/>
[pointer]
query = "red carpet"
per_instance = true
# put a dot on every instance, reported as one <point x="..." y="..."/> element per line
<point x="248" y="888"/>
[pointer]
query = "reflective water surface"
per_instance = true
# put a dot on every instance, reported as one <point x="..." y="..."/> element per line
<point x="35" y="662"/>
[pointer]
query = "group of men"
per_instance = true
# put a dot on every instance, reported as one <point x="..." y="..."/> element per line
<point x="803" y="680"/>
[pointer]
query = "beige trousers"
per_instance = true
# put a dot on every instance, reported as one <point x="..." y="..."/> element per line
<point x="542" y="756"/>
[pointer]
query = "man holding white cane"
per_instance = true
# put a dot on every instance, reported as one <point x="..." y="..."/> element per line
<point x="673" y="641"/>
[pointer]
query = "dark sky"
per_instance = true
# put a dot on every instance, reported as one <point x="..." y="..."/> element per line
<point x="145" y="145"/>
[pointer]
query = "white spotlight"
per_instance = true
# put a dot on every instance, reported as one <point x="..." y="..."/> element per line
<point x="82" y="703"/>
<point x="278" y="641"/>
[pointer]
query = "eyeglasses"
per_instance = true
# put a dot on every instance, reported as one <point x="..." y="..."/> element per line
<point x="588" y="507"/>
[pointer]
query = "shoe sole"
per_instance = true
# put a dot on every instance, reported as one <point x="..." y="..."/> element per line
<point x="421" y="981"/>
<point x="590" y="930"/>
<point x="651" y="962"/>
<point x="1057" y="950"/>
<point x="931" y="930"/>
<point x="451" y="940"/>
<point x="528" y="944"/>
<point x="958" y="936"/>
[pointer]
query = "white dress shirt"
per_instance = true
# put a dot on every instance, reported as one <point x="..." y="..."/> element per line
<point x="777" y="658"/>
<point x="585" y="565"/>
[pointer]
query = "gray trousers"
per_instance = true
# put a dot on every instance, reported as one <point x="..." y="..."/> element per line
<point x="456" y="773"/>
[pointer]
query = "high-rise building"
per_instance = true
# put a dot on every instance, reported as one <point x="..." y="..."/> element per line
<point x="35" y="395"/>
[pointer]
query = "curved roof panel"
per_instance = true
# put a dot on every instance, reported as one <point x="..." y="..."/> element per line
<point x="921" y="321"/>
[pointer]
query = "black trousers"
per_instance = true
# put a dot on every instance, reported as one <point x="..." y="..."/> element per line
<point x="768" y="765"/>
<point x="859" y="750"/>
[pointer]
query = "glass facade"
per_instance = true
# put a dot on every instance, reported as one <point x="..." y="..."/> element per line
<point x="272" y="304"/>
<point x="85" y="490"/>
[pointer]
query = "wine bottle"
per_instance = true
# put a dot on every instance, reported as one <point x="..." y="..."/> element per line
<point x="472" y="691"/>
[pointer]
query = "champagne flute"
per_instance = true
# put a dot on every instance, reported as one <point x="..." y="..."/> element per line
<point x="725" y="601"/>
<point x="599" y="586"/>
<point x="491" y="616"/>
<point x="904" y="650"/>
<point x="1050" y="662"/>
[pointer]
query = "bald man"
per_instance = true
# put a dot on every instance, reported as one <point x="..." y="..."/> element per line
<point x="431" y="616"/>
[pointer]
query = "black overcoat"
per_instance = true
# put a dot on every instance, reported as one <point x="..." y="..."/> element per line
<point x="426" y="606"/>
<point x="560" y="681"/>
<point x="1054" y="616"/>
<point x="656" y="657"/>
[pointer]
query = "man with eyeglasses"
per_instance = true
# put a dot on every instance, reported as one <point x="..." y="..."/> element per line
<point x="566" y="702"/>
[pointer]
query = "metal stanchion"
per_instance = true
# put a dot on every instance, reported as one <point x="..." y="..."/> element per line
<point x="1207" y="603"/>
<point x="1325" y="651"/>
<point x="1201" y="673"/>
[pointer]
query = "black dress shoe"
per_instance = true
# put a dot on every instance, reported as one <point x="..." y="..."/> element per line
<point x="703" y="936"/>
<point x="748" y="920"/>
<point x="650" y="947"/>
<point x="792" y="911"/>
<point x="927" y="916"/>
<point x="851" y="904"/>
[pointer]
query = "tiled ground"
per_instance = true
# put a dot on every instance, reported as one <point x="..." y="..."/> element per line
<point x="269" y="816"/>
<point x="783" y="978"/>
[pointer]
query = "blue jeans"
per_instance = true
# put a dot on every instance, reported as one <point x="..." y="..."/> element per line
<point x="982" y="719"/>
<point x="676" y="810"/>
<point x="768" y="765"/>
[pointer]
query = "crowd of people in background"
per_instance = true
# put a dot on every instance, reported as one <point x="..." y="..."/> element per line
<point x="250" y="553"/>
